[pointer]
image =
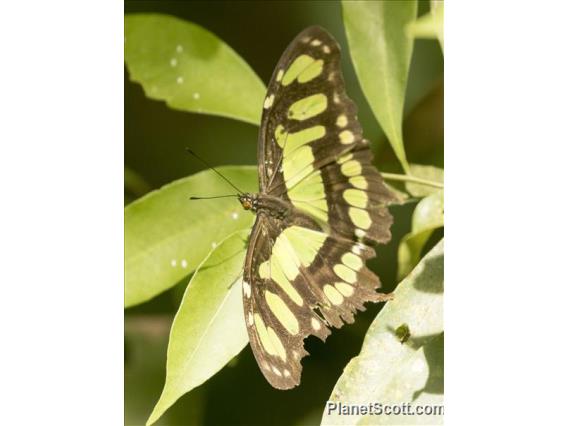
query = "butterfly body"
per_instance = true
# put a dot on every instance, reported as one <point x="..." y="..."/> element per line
<point x="265" y="204"/>
<point x="321" y="205"/>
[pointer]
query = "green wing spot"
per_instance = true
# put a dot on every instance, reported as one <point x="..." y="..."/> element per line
<point x="308" y="107"/>
<point x="298" y="165"/>
<point x="300" y="65"/>
<point x="311" y="72"/>
<point x="303" y="137"/>
<point x="305" y="242"/>
<point x="282" y="312"/>
<point x="360" y="217"/>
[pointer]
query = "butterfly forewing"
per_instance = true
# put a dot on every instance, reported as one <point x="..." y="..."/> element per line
<point x="306" y="270"/>
<point x="305" y="98"/>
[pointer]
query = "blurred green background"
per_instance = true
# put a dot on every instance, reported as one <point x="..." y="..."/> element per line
<point x="155" y="137"/>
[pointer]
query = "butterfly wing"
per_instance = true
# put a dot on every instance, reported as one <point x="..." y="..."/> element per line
<point x="311" y="150"/>
<point x="308" y="271"/>
<point x="277" y="312"/>
<point x="299" y="279"/>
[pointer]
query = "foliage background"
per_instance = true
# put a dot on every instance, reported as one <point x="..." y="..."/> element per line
<point x="155" y="137"/>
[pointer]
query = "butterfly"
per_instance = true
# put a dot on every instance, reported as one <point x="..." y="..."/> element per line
<point x="321" y="206"/>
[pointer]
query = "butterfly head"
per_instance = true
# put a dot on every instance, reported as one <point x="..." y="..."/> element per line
<point x="249" y="201"/>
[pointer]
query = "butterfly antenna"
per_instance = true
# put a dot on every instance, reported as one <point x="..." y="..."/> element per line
<point x="211" y="198"/>
<point x="213" y="168"/>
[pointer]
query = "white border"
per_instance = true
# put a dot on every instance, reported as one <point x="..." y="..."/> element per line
<point x="506" y="207"/>
<point x="61" y="169"/>
<point x="61" y="163"/>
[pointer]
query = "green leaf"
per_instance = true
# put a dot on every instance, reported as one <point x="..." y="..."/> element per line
<point x="429" y="25"/>
<point x="430" y="173"/>
<point x="427" y="217"/>
<point x="166" y="235"/>
<point x="209" y="328"/>
<point x="381" y="52"/>
<point x="437" y="11"/>
<point x="389" y="370"/>
<point x="190" y="68"/>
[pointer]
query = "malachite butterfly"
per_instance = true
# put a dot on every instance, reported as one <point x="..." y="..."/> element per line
<point x="321" y="206"/>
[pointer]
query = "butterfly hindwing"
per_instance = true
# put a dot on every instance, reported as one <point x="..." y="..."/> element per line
<point x="305" y="268"/>
<point x="298" y="280"/>
<point x="277" y="303"/>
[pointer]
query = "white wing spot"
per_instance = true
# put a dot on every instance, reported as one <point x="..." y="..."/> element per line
<point x="173" y="62"/>
<point x="173" y="263"/>
<point x="279" y="75"/>
<point x="341" y="121"/>
<point x="315" y="324"/>
<point x="179" y="48"/>
<point x="357" y="249"/>
<point x="286" y="373"/>
<point x="184" y="263"/>
<point x="360" y="233"/>
<point x="315" y="42"/>
<point x="276" y="371"/>
<point x="268" y="101"/>
<point x="246" y="288"/>
<point x="346" y="137"/>
<point x="235" y="215"/>
<point x="196" y="95"/>
<point x="326" y="48"/>
<point x="336" y="98"/>
<point x="179" y="80"/>
<point x="250" y="319"/>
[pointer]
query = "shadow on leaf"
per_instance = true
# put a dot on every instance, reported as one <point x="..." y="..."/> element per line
<point x="434" y="266"/>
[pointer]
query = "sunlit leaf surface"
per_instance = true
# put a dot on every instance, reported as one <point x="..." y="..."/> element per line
<point x="381" y="50"/>
<point x="166" y="235"/>
<point x="190" y="68"/>
<point x="430" y="173"/>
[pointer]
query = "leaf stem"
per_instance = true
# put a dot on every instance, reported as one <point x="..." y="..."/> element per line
<point x="413" y="179"/>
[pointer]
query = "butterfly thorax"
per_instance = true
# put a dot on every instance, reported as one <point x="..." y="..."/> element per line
<point x="262" y="203"/>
